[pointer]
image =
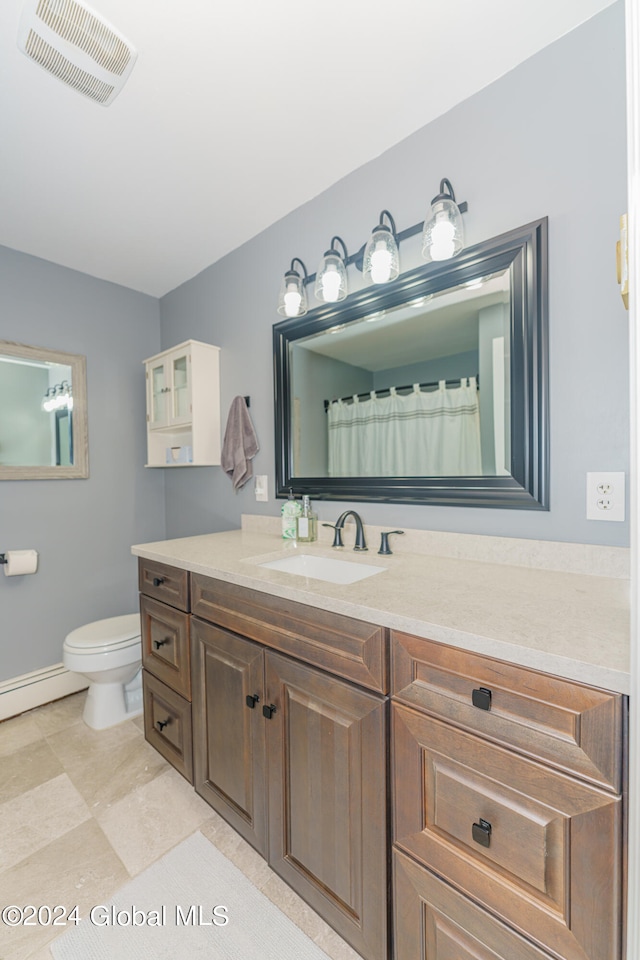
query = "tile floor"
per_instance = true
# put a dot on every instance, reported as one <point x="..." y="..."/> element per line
<point x="82" y="811"/>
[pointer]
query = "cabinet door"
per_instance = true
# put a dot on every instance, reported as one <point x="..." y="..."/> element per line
<point x="327" y="798"/>
<point x="180" y="411"/>
<point x="158" y="391"/>
<point x="228" y="733"/>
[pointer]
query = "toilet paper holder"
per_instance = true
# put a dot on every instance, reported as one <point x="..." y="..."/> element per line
<point x="3" y="558"/>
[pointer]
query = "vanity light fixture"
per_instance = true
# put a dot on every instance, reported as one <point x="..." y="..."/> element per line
<point x="293" y="298"/>
<point x="381" y="262"/>
<point x="443" y="232"/>
<point x="378" y="259"/>
<point x="58" y="397"/>
<point x="331" y="277"/>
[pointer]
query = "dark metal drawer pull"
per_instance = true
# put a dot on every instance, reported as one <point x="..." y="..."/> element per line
<point x="158" y="580"/>
<point x="251" y="701"/>
<point x="161" y="724"/>
<point x="160" y="643"/>
<point x="268" y="711"/>
<point x="481" y="832"/>
<point x="481" y="698"/>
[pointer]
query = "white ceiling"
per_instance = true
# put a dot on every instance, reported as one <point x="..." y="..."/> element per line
<point x="194" y="157"/>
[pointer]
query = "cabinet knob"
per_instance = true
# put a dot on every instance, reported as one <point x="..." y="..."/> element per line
<point x="160" y="643"/>
<point x="161" y="724"/>
<point x="481" y="698"/>
<point x="252" y="700"/>
<point x="268" y="711"/>
<point x="158" y="580"/>
<point x="481" y="832"/>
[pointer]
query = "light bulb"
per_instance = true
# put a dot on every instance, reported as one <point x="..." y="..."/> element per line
<point x="292" y="301"/>
<point x="443" y="231"/>
<point x="380" y="263"/>
<point x="330" y="285"/>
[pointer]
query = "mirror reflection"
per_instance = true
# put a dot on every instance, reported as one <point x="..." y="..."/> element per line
<point x="430" y="389"/>
<point x="42" y="413"/>
<point x="420" y="389"/>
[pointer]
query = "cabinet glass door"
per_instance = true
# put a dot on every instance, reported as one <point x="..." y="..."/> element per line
<point x="181" y="411"/>
<point x="158" y="393"/>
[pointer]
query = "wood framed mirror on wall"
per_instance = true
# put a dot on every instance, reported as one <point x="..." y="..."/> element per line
<point x="43" y="414"/>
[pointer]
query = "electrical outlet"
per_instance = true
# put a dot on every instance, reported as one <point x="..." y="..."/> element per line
<point x="261" y="488"/>
<point x="605" y="496"/>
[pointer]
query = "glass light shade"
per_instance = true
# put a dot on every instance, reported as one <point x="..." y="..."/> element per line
<point x="292" y="301"/>
<point x="443" y="233"/>
<point x="331" y="278"/>
<point x="381" y="262"/>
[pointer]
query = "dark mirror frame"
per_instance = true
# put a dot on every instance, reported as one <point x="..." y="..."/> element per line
<point x="524" y="252"/>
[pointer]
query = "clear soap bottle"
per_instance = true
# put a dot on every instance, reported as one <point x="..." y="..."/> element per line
<point x="307" y="522"/>
<point x="291" y="510"/>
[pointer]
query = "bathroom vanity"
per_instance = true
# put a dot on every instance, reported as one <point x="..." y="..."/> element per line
<point x="428" y="798"/>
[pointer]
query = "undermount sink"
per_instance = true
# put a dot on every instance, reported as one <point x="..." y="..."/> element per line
<point x="329" y="569"/>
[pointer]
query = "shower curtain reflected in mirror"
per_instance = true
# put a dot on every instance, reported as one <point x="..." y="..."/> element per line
<point x="419" y="434"/>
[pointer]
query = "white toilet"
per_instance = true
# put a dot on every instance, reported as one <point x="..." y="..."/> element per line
<point x="109" y="654"/>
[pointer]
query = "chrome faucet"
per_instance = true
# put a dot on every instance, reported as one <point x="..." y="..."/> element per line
<point x="360" y="543"/>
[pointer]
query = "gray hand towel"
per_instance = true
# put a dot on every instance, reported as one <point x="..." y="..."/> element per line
<point x="240" y="444"/>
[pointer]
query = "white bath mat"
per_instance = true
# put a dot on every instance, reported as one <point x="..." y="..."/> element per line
<point x="182" y="903"/>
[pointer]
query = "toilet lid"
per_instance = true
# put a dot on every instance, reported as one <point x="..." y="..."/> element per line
<point x="114" y="632"/>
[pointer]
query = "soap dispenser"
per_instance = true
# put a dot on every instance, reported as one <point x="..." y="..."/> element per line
<point x="307" y="522"/>
<point x="291" y="510"/>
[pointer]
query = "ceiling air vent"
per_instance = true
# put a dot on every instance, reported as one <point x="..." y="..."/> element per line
<point x="78" y="46"/>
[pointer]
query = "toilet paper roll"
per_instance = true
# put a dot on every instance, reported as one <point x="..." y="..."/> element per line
<point x="19" y="562"/>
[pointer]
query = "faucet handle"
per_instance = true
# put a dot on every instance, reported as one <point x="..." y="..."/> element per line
<point x="384" y="542"/>
<point x="337" y="536"/>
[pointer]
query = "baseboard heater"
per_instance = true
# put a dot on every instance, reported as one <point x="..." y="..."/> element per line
<point x="37" y="688"/>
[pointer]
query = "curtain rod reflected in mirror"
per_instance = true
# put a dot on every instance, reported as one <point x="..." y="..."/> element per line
<point x="476" y="328"/>
<point x="43" y="414"/>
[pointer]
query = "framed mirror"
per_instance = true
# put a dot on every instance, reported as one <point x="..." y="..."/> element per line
<point x="429" y="389"/>
<point x="43" y="414"/>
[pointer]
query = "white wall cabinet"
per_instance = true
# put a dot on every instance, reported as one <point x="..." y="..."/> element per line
<point x="183" y="406"/>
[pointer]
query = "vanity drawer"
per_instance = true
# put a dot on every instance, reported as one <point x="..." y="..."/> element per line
<point x="434" y="922"/>
<point x="350" y="648"/>
<point x="165" y="644"/>
<point x="569" y="725"/>
<point x="541" y="850"/>
<point x="167" y="724"/>
<point x="163" y="582"/>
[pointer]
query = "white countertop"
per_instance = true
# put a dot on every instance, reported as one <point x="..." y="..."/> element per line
<point x="570" y="624"/>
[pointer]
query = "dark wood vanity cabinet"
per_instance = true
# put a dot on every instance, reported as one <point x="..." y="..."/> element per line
<point x="229" y="729"/>
<point x="166" y="662"/>
<point x="295" y="757"/>
<point x="501" y="789"/>
<point x="530" y="830"/>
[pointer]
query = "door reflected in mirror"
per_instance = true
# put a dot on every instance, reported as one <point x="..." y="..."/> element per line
<point x="421" y="389"/>
<point x="43" y="431"/>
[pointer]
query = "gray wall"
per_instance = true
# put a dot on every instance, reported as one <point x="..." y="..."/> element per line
<point x="82" y="529"/>
<point x="548" y="139"/>
<point x="455" y="366"/>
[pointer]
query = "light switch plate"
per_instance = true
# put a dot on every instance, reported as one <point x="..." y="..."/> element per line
<point x="262" y="487"/>
<point x="605" y="496"/>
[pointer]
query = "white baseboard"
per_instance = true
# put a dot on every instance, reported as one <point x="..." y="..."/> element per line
<point x="34" y="689"/>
